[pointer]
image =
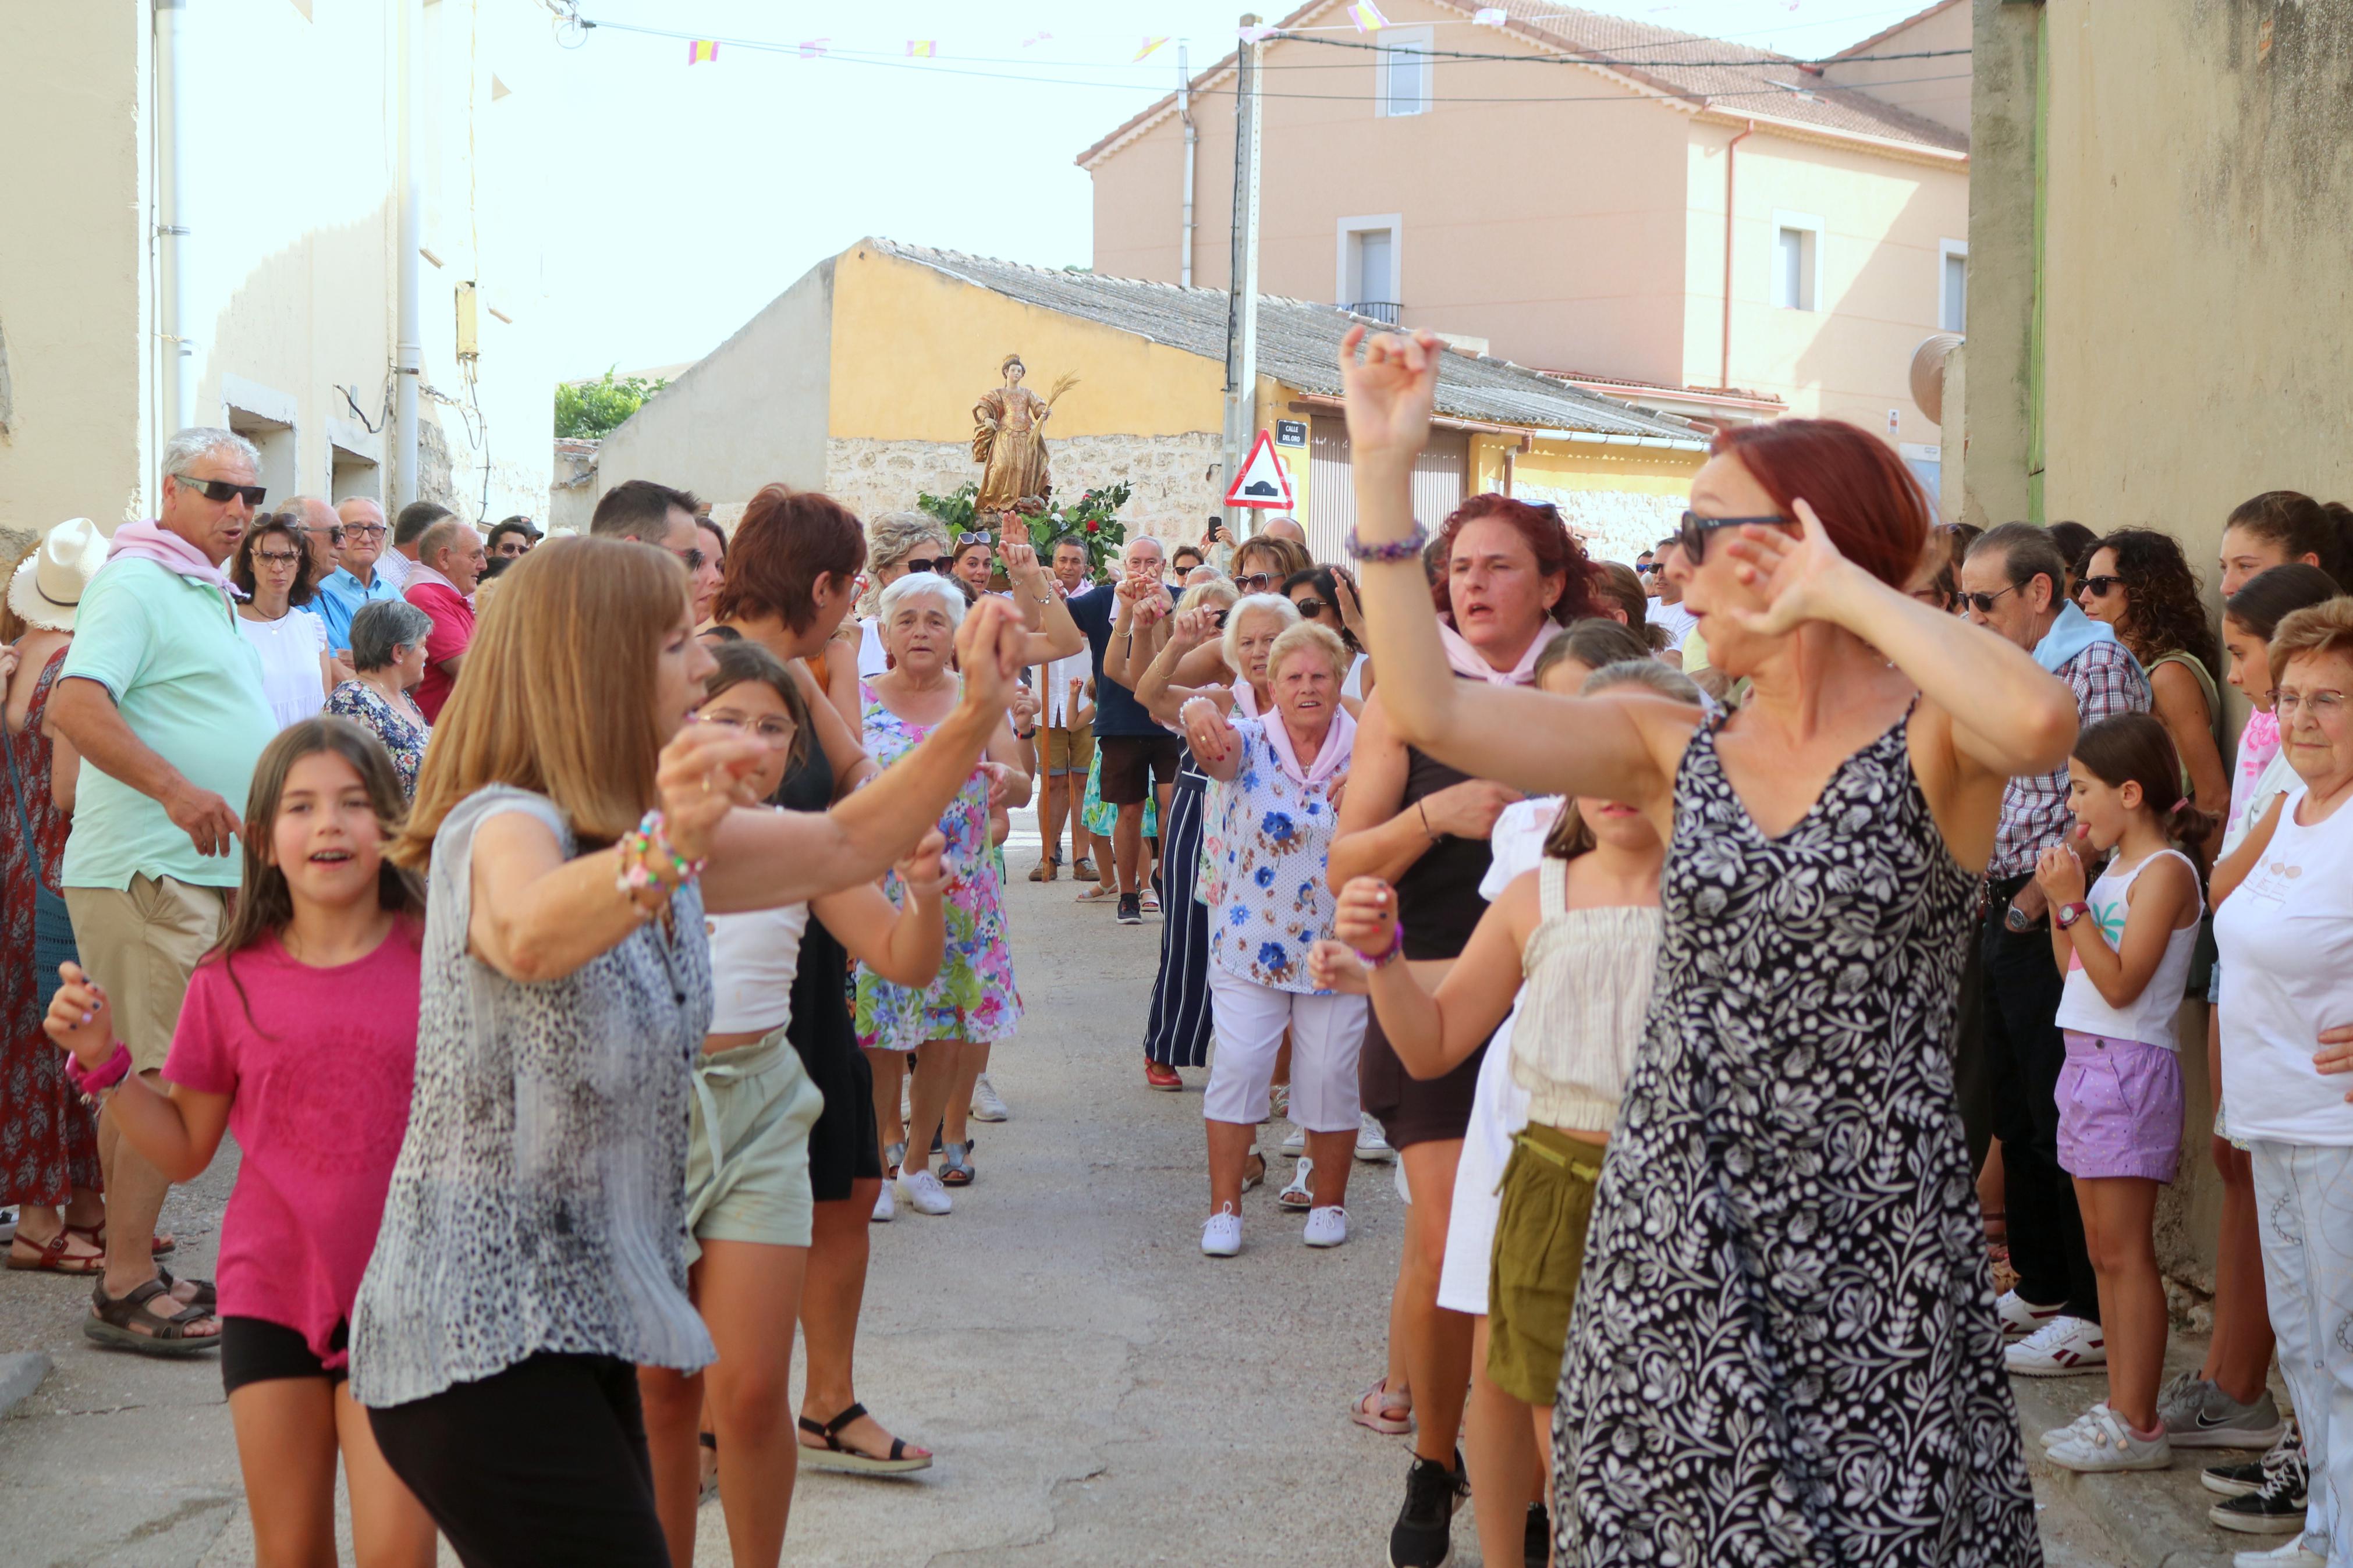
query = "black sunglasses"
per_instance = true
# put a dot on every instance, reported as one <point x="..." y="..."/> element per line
<point x="935" y="563"/>
<point x="1218" y="620"/>
<point x="221" y="490"/>
<point x="1256" y="583"/>
<point x="1309" y="607"/>
<point x="2099" y="587"/>
<point x="1983" y="603"/>
<point x="1693" y="539"/>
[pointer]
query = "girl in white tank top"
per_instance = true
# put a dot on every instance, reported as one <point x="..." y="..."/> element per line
<point x="2125" y="945"/>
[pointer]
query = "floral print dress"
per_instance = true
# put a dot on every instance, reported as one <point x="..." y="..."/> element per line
<point x="402" y="735"/>
<point x="1265" y="849"/>
<point x="973" y="999"/>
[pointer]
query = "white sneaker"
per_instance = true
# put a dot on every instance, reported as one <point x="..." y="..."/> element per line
<point x="1326" y="1227"/>
<point x="1372" y="1143"/>
<point x="886" y="1208"/>
<point x="1295" y="1143"/>
<point x="2058" y="1435"/>
<point x="2064" y="1347"/>
<point x="2295" y="1554"/>
<point x="2021" y="1317"/>
<point x="985" y="1104"/>
<point x="1221" y="1232"/>
<point x="2104" y="1443"/>
<point x="921" y="1190"/>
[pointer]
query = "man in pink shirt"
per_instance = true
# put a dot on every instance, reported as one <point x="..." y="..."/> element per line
<point x="449" y="562"/>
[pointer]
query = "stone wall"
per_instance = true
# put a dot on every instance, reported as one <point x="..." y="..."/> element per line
<point x="1168" y="474"/>
<point x="1614" y="525"/>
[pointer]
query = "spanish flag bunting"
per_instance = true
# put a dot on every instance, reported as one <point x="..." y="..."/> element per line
<point x="814" y="48"/>
<point x="1149" y="44"/>
<point x="922" y="49"/>
<point x="1491" y="16"/>
<point x="1368" y="16"/>
<point x="702" y="49"/>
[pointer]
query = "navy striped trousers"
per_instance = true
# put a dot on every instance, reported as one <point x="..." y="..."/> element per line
<point x="1177" y="1032"/>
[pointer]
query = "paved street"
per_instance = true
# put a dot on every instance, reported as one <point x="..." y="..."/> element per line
<point x="1098" y="1392"/>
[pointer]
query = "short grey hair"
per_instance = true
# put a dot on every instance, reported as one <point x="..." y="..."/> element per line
<point x="1649" y="672"/>
<point x="1135" y="539"/>
<point x="1285" y="613"/>
<point x="383" y="626"/>
<point x="192" y="446"/>
<point x="923" y="586"/>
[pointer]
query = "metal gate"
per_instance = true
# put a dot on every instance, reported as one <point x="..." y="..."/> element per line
<point x="1441" y="476"/>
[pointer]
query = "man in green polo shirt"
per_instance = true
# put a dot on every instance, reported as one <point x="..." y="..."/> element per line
<point x="163" y="699"/>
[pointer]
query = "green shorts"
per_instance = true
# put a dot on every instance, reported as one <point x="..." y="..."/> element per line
<point x="1539" y="1253"/>
<point x="747" y="1169"/>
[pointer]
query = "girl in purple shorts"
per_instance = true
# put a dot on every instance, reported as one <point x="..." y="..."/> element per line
<point x="2125" y="946"/>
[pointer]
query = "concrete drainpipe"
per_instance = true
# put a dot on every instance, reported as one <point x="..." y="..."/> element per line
<point x="1725" y="362"/>
<point x="178" y="369"/>
<point x="409" y="352"/>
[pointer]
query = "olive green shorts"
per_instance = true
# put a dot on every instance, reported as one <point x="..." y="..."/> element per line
<point x="1539" y="1253"/>
<point x="747" y="1167"/>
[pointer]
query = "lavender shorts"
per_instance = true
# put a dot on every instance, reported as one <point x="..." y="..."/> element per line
<point x="2119" y="1109"/>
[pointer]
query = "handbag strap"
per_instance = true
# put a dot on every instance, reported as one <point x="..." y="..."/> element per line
<point x="32" y="838"/>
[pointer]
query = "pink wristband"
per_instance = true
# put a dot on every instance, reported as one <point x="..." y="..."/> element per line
<point x="1396" y="946"/>
<point x="103" y="1077"/>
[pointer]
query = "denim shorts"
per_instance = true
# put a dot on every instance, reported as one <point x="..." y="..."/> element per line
<point x="2119" y="1109"/>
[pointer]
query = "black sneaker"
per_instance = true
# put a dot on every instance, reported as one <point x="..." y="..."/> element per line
<point x="1424" y="1532"/>
<point x="2277" y="1508"/>
<point x="1131" y="908"/>
<point x="1535" y="1548"/>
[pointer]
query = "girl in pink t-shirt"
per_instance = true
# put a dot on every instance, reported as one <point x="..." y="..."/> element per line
<point x="299" y="1034"/>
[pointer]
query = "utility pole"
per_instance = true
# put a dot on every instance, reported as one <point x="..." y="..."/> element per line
<point x="1185" y="113"/>
<point x="1241" y="294"/>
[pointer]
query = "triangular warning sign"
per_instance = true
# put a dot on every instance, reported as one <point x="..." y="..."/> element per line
<point x="1263" y="481"/>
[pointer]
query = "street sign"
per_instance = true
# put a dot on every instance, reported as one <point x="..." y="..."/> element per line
<point x="1290" y="432"/>
<point x="1263" y="481"/>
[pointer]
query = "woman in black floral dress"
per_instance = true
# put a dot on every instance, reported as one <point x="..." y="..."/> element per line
<point x="1784" y="1348"/>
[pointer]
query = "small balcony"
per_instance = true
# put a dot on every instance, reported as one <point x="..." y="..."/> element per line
<point x="1382" y="310"/>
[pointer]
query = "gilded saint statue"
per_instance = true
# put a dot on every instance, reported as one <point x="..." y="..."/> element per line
<point x="1008" y="439"/>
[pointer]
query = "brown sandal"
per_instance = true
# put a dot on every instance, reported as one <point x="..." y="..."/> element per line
<point x="111" y="1317"/>
<point x="165" y="1244"/>
<point x="51" y="1258"/>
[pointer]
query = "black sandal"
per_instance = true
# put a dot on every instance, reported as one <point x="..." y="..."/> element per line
<point x="111" y="1317"/>
<point x="839" y="1456"/>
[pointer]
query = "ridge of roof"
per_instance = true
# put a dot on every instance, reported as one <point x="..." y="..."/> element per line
<point x="1299" y="345"/>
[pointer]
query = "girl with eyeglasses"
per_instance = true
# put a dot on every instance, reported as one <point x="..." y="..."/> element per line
<point x="2138" y="582"/>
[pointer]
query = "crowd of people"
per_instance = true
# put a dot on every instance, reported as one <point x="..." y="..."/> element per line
<point x="1741" y="954"/>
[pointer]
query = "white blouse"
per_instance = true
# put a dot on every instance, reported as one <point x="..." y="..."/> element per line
<point x="291" y="681"/>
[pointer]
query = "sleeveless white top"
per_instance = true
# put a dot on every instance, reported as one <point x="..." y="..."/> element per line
<point x="753" y="957"/>
<point x="1587" y="991"/>
<point x="2147" y="1017"/>
<point x="2286" y="940"/>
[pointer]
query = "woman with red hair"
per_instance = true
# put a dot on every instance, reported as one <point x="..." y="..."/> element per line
<point x="1513" y="575"/>
<point x="1785" y="1287"/>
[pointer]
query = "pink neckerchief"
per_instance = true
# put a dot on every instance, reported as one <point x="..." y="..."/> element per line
<point x="1245" y="698"/>
<point x="1471" y="665"/>
<point x="150" y="540"/>
<point x="1337" y="741"/>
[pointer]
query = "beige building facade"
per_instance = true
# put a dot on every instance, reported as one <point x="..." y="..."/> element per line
<point x="1656" y="215"/>
<point x="204" y="228"/>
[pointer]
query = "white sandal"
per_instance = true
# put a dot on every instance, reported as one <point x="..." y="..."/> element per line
<point x="1299" y="1197"/>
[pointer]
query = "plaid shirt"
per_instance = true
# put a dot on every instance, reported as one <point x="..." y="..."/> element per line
<point x="2106" y="680"/>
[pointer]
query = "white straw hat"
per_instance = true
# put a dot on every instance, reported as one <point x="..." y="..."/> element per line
<point x="49" y="582"/>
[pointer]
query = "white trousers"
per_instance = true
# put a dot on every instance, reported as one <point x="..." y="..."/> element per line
<point x="2304" y="1214"/>
<point x="1326" y="1033"/>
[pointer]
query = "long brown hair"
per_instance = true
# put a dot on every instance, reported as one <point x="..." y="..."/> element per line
<point x="264" y="904"/>
<point x="557" y="696"/>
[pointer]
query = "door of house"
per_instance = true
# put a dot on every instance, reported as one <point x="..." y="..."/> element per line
<point x="1441" y="478"/>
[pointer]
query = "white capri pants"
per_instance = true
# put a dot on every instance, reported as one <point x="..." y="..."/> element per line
<point x="1326" y="1033"/>
<point x="2304" y="1214"/>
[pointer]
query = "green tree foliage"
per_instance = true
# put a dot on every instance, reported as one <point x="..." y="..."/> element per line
<point x="589" y="410"/>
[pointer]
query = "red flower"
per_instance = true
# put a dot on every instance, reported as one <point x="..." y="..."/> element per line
<point x="1092" y="525"/>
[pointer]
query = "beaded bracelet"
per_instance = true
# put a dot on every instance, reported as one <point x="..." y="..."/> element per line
<point x="1409" y="548"/>
<point x="1383" y="959"/>
<point x="648" y="846"/>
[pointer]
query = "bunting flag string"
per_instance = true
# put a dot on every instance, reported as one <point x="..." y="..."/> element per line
<point x="814" y="48"/>
<point x="922" y="49"/>
<point x="1489" y="16"/>
<point x="701" y="49"/>
<point x="1368" y="16"/>
<point x="1149" y="44"/>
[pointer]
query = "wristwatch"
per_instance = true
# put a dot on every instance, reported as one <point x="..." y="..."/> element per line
<point x="2070" y="913"/>
<point x="2018" y="919"/>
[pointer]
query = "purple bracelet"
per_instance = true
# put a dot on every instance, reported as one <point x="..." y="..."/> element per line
<point x="1409" y="548"/>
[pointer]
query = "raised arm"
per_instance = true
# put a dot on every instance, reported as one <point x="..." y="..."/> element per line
<point x="1619" y="748"/>
<point x="1376" y="836"/>
<point x="1137" y="633"/>
<point x="1217" y="744"/>
<point x="1158" y="689"/>
<point x="1053" y="634"/>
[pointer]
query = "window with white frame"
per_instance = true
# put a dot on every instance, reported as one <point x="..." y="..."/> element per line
<point x="1797" y="261"/>
<point x="1952" y="286"/>
<point x="1367" y="269"/>
<point x="1403" y="74"/>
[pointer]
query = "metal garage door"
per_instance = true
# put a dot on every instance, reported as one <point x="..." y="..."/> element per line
<point x="1439" y="477"/>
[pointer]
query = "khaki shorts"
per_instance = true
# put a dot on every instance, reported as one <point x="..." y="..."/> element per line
<point x="1539" y="1254"/>
<point x="142" y="942"/>
<point x="1070" y="750"/>
<point x="747" y="1167"/>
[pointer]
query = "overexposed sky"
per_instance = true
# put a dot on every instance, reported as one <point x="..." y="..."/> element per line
<point x="714" y="187"/>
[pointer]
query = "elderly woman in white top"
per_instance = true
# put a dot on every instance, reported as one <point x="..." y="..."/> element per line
<point x="2283" y="921"/>
<point x="1266" y="855"/>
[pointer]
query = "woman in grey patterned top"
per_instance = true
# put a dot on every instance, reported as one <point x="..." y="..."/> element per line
<point x="530" y="1246"/>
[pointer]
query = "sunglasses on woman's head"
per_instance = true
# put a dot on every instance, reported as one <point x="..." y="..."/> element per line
<point x="1693" y="538"/>
<point x="2099" y="587"/>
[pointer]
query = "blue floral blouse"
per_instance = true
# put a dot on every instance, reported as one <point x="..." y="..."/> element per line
<point x="1265" y="851"/>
